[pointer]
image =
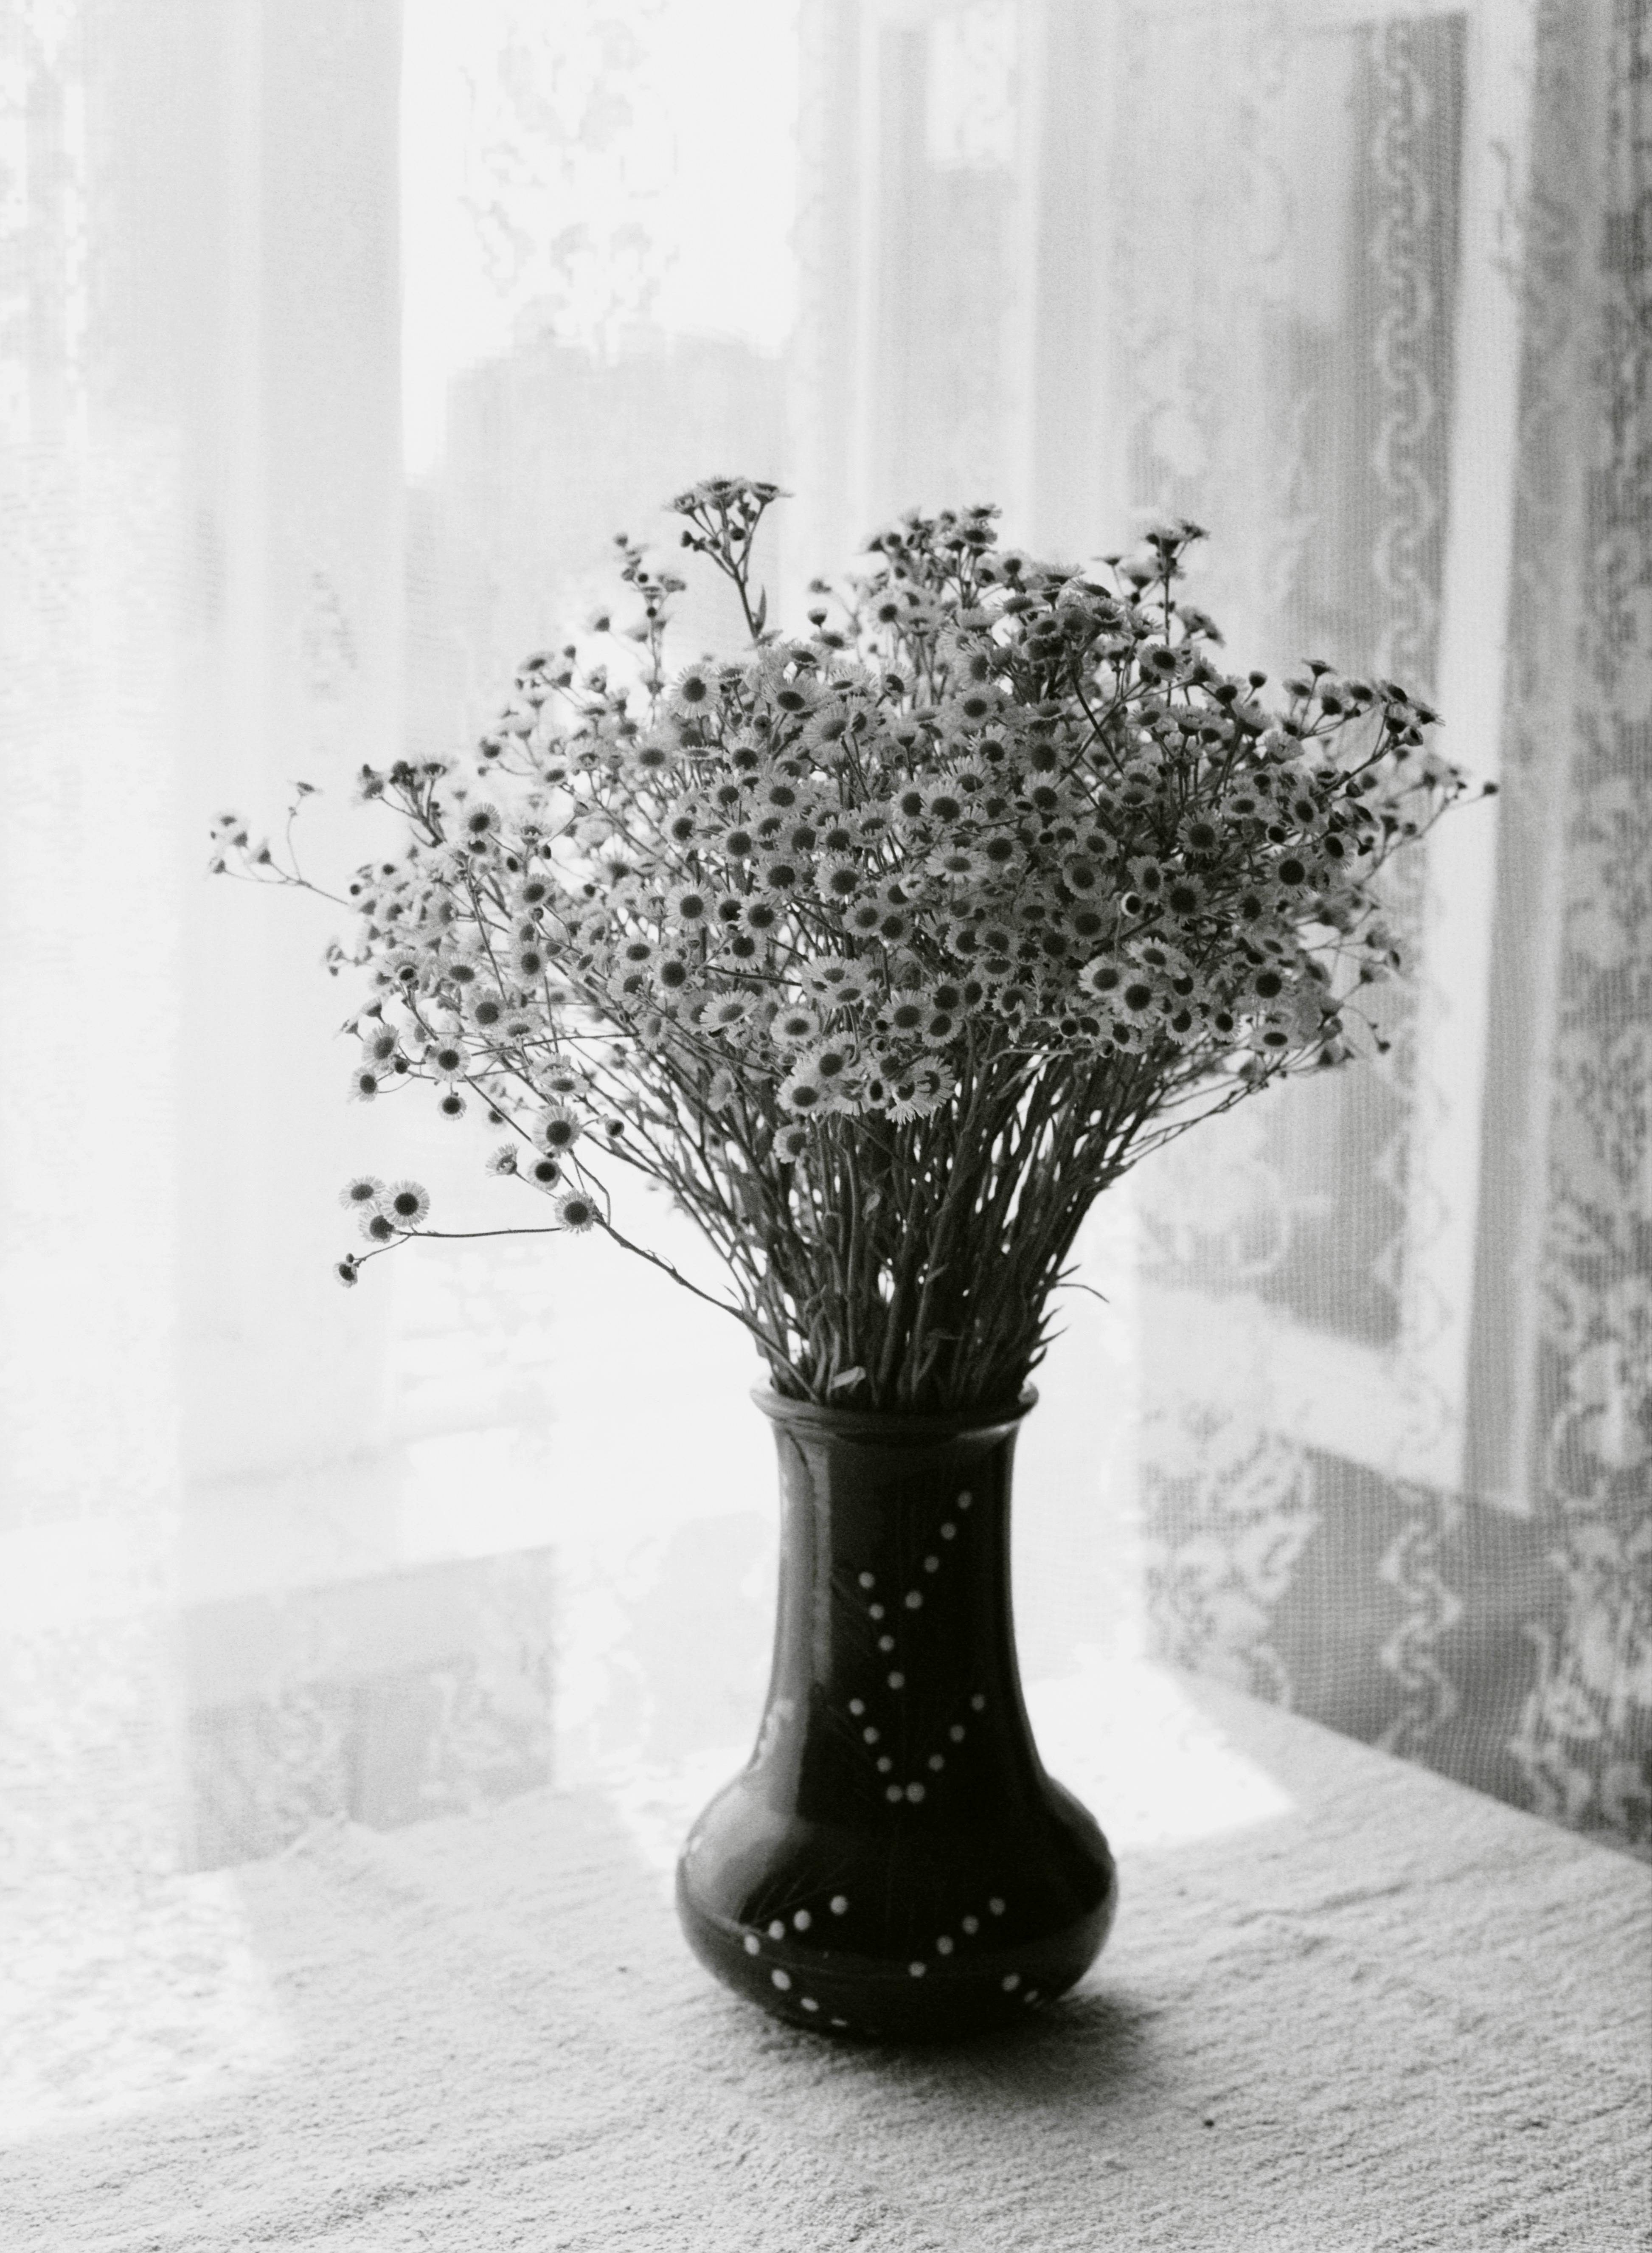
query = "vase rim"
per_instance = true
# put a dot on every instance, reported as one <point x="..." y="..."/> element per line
<point x="888" y="1424"/>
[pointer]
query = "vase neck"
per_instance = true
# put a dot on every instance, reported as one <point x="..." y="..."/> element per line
<point x="895" y="1680"/>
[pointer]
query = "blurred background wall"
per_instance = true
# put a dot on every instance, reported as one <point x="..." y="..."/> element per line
<point x="335" y="345"/>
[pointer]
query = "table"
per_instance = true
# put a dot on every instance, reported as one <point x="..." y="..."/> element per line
<point x="1348" y="2006"/>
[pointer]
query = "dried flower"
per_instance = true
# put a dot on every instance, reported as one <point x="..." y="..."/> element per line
<point x="895" y="945"/>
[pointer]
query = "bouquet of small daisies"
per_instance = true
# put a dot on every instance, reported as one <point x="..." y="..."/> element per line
<point x="882" y="950"/>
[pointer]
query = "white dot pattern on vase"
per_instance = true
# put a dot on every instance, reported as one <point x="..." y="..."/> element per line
<point x="885" y="1765"/>
<point x="778" y="1931"/>
<point x="938" y="1761"/>
<point x="956" y="1733"/>
<point x="808" y="2002"/>
<point x="996" y="1905"/>
<point x="1010" y="1981"/>
<point x="892" y="1792"/>
<point x="943" y="1945"/>
<point x="914" y="1792"/>
<point x="964" y="1499"/>
<point x="917" y="1970"/>
<point x="897" y="1681"/>
<point x="874" y="1611"/>
<point x="972" y="1925"/>
<point x="914" y="1600"/>
<point x="752" y="1943"/>
<point x="977" y="1704"/>
<point x="1031" y="1996"/>
<point x="802" y="1919"/>
<point x="839" y="1904"/>
<point x="868" y="1736"/>
<point x="868" y="1579"/>
<point x="782" y="1980"/>
<point x="948" y="1530"/>
<point x="886" y="1642"/>
<point x="931" y="1564"/>
<point x="857" y="1707"/>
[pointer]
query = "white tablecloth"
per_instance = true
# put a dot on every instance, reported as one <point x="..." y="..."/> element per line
<point x="1347" y="2006"/>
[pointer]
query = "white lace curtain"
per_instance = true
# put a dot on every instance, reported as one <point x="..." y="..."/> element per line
<point x="334" y="343"/>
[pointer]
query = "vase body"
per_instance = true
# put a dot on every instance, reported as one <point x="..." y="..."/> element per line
<point x="894" y="1861"/>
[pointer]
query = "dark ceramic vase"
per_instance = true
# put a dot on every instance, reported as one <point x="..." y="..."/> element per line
<point x="894" y="1860"/>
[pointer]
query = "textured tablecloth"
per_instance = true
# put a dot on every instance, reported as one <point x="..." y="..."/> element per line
<point x="1368" y="2010"/>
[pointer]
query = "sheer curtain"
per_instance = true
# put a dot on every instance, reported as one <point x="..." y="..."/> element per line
<point x="1363" y="289"/>
<point x="336" y="345"/>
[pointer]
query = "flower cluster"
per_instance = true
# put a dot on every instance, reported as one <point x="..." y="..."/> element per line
<point x="997" y="868"/>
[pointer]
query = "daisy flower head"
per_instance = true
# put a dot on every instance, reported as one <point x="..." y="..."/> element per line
<point x="795" y="696"/>
<point x="790" y="1141"/>
<point x="689" y="906"/>
<point x="839" y="878"/>
<point x="801" y="1093"/>
<point x="446" y="1056"/>
<point x="379" y="1044"/>
<point x="724" y="1011"/>
<point x="1184" y="895"/>
<point x="364" y="1084"/>
<point x="1184" y="1024"/>
<point x="1135" y="998"/>
<point x="1156" y="954"/>
<point x="695" y="688"/>
<point x="379" y="1228"/>
<point x="829" y="1063"/>
<point x="577" y="1211"/>
<point x="544" y="1173"/>
<point x="361" y="1193"/>
<point x="915" y="1094"/>
<point x="504" y="1159"/>
<point x="348" y="1270"/>
<point x="558" y="1129"/>
<point x="781" y="874"/>
<point x="826" y="733"/>
<point x="406" y="1204"/>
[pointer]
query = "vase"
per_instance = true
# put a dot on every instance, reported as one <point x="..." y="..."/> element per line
<point x="893" y="1862"/>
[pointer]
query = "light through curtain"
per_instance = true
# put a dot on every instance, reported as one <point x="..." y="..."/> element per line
<point x="337" y="345"/>
<point x="1358" y="287"/>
